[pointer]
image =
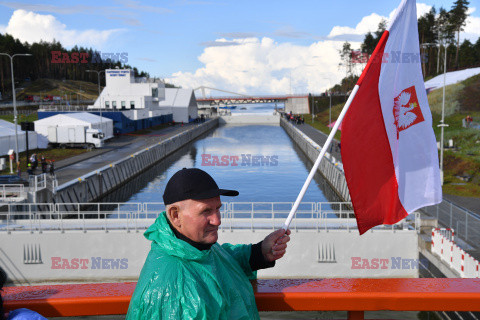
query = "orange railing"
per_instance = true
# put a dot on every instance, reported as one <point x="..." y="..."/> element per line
<point x="353" y="295"/>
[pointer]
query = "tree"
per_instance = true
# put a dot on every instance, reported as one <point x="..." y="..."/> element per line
<point x="426" y="32"/>
<point x="346" y="57"/>
<point x="467" y="54"/>
<point x="369" y="44"/>
<point x="458" y="17"/>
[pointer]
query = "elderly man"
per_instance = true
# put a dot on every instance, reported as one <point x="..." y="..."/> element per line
<point x="187" y="274"/>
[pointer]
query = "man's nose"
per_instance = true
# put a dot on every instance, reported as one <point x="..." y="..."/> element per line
<point x="215" y="219"/>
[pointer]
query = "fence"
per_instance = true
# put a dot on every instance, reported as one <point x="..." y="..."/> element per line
<point x="38" y="182"/>
<point x="12" y="192"/>
<point x="313" y="216"/>
<point x="443" y="245"/>
<point x="465" y="222"/>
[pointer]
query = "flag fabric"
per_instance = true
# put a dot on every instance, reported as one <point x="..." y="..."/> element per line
<point x="389" y="149"/>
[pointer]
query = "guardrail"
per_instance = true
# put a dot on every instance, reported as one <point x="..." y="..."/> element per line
<point x="353" y="295"/>
<point x="139" y="216"/>
<point x="465" y="222"/>
<point x="444" y="246"/>
<point x="12" y="192"/>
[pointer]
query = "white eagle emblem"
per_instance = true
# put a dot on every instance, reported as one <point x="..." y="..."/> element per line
<point x="403" y="117"/>
<point x="406" y="110"/>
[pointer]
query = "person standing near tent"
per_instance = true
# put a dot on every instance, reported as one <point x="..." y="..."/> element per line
<point x="187" y="274"/>
<point x="44" y="164"/>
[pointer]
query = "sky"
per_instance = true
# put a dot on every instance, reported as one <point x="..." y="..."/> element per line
<point x="248" y="46"/>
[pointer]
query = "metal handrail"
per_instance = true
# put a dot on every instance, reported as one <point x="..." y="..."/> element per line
<point x="320" y="216"/>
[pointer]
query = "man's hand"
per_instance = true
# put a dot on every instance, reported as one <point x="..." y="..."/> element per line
<point x="275" y="244"/>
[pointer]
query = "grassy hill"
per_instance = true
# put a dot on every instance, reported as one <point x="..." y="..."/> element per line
<point x="461" y="162"/>
<point x="85" y="90"/>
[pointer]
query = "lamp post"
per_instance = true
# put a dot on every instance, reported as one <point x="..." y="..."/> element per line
<point x="15" y="98"/>
<point x="99" y="100"/>
<point x="442" y="124"/>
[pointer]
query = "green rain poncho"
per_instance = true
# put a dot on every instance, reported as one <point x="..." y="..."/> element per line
<point x="179" y="281"/>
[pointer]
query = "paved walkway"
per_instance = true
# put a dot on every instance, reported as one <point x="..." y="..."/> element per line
<point x="115" y="149"/>
<point x="320" y="138"/>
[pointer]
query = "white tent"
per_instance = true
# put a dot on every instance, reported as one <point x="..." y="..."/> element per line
<point x="183" y="103"/>
<point x="7" y="138"/>
<point x="68" y="119"/>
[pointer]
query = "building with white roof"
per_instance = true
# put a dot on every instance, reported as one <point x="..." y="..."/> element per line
<point x="182" y="103"/>
<point x="84" y="119"/>
<point x="7" y="138"/>
<point x="137" y="98"/>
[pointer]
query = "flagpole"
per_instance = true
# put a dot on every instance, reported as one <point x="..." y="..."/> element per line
<point x="320" y="157"/>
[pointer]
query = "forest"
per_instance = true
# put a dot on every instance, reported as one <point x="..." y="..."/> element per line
<point x="51" y="60"/>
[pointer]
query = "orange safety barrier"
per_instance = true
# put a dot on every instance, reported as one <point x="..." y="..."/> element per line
<point x="353" y="295"/>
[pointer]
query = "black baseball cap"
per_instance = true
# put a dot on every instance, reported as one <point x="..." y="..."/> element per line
<point x="193" y="184"/>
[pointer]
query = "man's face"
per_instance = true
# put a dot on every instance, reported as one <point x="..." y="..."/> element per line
<point x="200" y="219"/>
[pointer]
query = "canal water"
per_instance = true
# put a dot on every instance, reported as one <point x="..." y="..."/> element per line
<point x="257" y="160"/>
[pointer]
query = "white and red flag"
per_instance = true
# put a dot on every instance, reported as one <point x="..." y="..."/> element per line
<point x="389" y="150"/>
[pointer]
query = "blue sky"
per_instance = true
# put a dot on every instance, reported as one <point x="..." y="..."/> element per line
<point x="233" y="45"/>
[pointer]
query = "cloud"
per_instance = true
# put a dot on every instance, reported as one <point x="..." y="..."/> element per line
<point x="472" y="27"/>
<point x="290" y="32"/>
<point x="239" y="35"/>
<point x="222" y="42"/>
<point x="264" y="66"/>
<point x="32" y="27"/>
<point x="126" y="20"/>
<point x="137" y="5"/>
<point x="48" y="8"/>
<point x="147" y="59"/>
<point x="369" y="24"/>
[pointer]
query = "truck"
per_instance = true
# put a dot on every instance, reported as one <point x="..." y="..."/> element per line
<point x="75" y="136"/>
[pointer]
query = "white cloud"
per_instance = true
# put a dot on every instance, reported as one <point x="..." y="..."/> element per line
<point x="367" y="24"/>
<point x="263" y="66"/>
<point x="370" y="23"/>
<point x="472" y="27"/>
<point x="33" y="27"/>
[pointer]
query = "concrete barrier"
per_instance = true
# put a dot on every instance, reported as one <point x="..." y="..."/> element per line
<point x="251" y="119"/>
<point x="96" y="184"/>
<point x="330" y="169"/>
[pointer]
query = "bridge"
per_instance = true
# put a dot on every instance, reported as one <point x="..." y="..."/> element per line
<point x="295" y="103"/>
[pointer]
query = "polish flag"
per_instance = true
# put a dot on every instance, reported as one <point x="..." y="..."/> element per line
<point x="389" y="150"/>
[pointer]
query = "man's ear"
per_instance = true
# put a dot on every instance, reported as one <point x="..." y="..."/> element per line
<point x="174" y="215"/>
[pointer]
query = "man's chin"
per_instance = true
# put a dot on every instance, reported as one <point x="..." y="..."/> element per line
<point x="212" y="237"/>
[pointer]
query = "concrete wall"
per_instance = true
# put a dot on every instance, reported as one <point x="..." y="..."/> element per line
<point x="329" y="167"/>
<point x="251" y="119"/>
<point x="118" y="255"/>
<point x="94" y="185"/>
<point x="297" y="105"/>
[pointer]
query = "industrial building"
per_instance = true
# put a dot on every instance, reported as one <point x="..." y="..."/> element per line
<point x="138" y="103"/>
<point x="182" y="103"/>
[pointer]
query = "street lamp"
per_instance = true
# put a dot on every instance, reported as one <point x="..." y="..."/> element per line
<point x="99" y="100"/>
<point x="15" y="98"/>
<point x="330" y="105"/>
<point x="442" y="124"/>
